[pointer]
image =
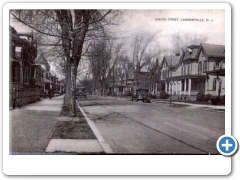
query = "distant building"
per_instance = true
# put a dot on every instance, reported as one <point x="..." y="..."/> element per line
<point x="47" y="79"/>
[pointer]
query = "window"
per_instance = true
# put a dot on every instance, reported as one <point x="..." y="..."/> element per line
<point x="184" y="69"/>
<point x="182" y="84"/>
<point x="214" y="84"/>
<point x="217" y="64"/>
<point x="165" y="73"/>
<point x="205" y="66"/>
<point x="186" y="84"/>
<point x="189" y="68"/>
<point x="200" y="67"/>
<point x="18" y="52"/>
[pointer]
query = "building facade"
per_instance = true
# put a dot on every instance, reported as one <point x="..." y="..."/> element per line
<point x="30" y="75"/>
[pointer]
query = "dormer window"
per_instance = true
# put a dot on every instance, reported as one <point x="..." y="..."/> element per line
<point x="189" y="51"/>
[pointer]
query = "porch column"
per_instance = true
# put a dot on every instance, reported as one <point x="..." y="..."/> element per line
<point x="206" y="85"/>
<point x="21" y="73"/>
<point x="169" y="87"/>
<point x="156" y="89"/>
<point x="185" y="86"/>
<point x="180" y="90"/>
<point x="189" y="86"/>
<point x="176" y="87"/>
<point x="166" y="86"/>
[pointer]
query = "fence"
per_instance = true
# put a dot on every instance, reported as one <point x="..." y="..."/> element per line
<point x="21" y="97"/>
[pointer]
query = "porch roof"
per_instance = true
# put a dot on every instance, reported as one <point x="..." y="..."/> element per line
<point x="195" y="76"/>
<point x="216" y="72"/>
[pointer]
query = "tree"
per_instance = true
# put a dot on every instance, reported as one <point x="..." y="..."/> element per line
<point x="181" y="41"/>
<point x="122" y="67"/>
<point x="73" y="28"/>
<point x="100" y="58"/>
<point x="142" y="56"/>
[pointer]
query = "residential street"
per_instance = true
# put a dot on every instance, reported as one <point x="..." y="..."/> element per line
<point x="154" y="128"/>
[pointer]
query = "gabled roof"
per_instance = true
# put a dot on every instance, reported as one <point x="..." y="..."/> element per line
<point x="213" y="50"/>
<point x="53" y="73"/>
<point x="172" y="61"/>
<point x="144" y="69"/>
<point x="40" y="59"/>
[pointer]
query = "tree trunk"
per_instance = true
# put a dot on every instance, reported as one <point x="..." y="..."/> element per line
<point x="67" y="101"/>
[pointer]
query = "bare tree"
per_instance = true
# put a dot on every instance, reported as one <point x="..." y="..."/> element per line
<point x="141" y="53"/>
<point x="181" y="41"/>
<point x="122" y="67"/>
<point x="73" y="28"/>
<point x="100" y="57"/>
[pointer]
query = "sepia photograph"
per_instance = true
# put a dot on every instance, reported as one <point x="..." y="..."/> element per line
<point x="116" y="81"/>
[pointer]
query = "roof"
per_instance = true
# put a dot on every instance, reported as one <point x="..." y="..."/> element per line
<point x="191" y="52"/>
<point x="40" y="59"/>
<point x="53" y="73"/>
<point x="213" y="50"/>
<point x="144" y="69"/>
<point x="172" y="61"/>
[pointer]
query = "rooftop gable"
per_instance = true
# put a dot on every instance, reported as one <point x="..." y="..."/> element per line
<point x="191" y="52"/>
<point x="40" y="59"/>
<point x="213" y="50"/>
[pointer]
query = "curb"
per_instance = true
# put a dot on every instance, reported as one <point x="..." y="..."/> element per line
<point x="105" y="146"/>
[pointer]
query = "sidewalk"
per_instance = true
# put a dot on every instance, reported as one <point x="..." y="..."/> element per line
<point x="191" y="105"/>
<point x="39" y="128"/>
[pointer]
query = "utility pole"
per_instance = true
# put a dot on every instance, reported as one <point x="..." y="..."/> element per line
<point x="170" y="95"/>
<point x="113" y="79"/>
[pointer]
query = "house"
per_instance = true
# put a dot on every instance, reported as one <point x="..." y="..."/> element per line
<point x="200" y="68"/>
<point x="23" y="51"/>
<point x="171" y="71"/>
<point x="212" y="64"/>
<point x="43" y="63"/>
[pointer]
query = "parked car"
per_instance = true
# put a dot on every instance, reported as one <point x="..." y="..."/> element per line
<point x="79" y="93"/>
<point x="142" y="95"/>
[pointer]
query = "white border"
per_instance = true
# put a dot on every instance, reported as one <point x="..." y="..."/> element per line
<point x="114" y="164"/>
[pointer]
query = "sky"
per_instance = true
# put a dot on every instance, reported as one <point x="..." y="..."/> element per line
<point x="168" y="22"/>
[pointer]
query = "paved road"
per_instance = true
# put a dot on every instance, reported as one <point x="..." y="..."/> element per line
<point x="154" y="128"/>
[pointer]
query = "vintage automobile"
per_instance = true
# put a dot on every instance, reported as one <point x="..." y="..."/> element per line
<point x="142" y="95"/>
<point x="80" y="93"/>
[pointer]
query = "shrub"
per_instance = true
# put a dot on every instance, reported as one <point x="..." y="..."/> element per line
<point x="200" y="96"/>
<point x="164" y="95"/>
<point x="154" y="96"/>
<point x="215" y="100"/>
<point x="222" y="100"/>
<point x="208" y="97"/>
